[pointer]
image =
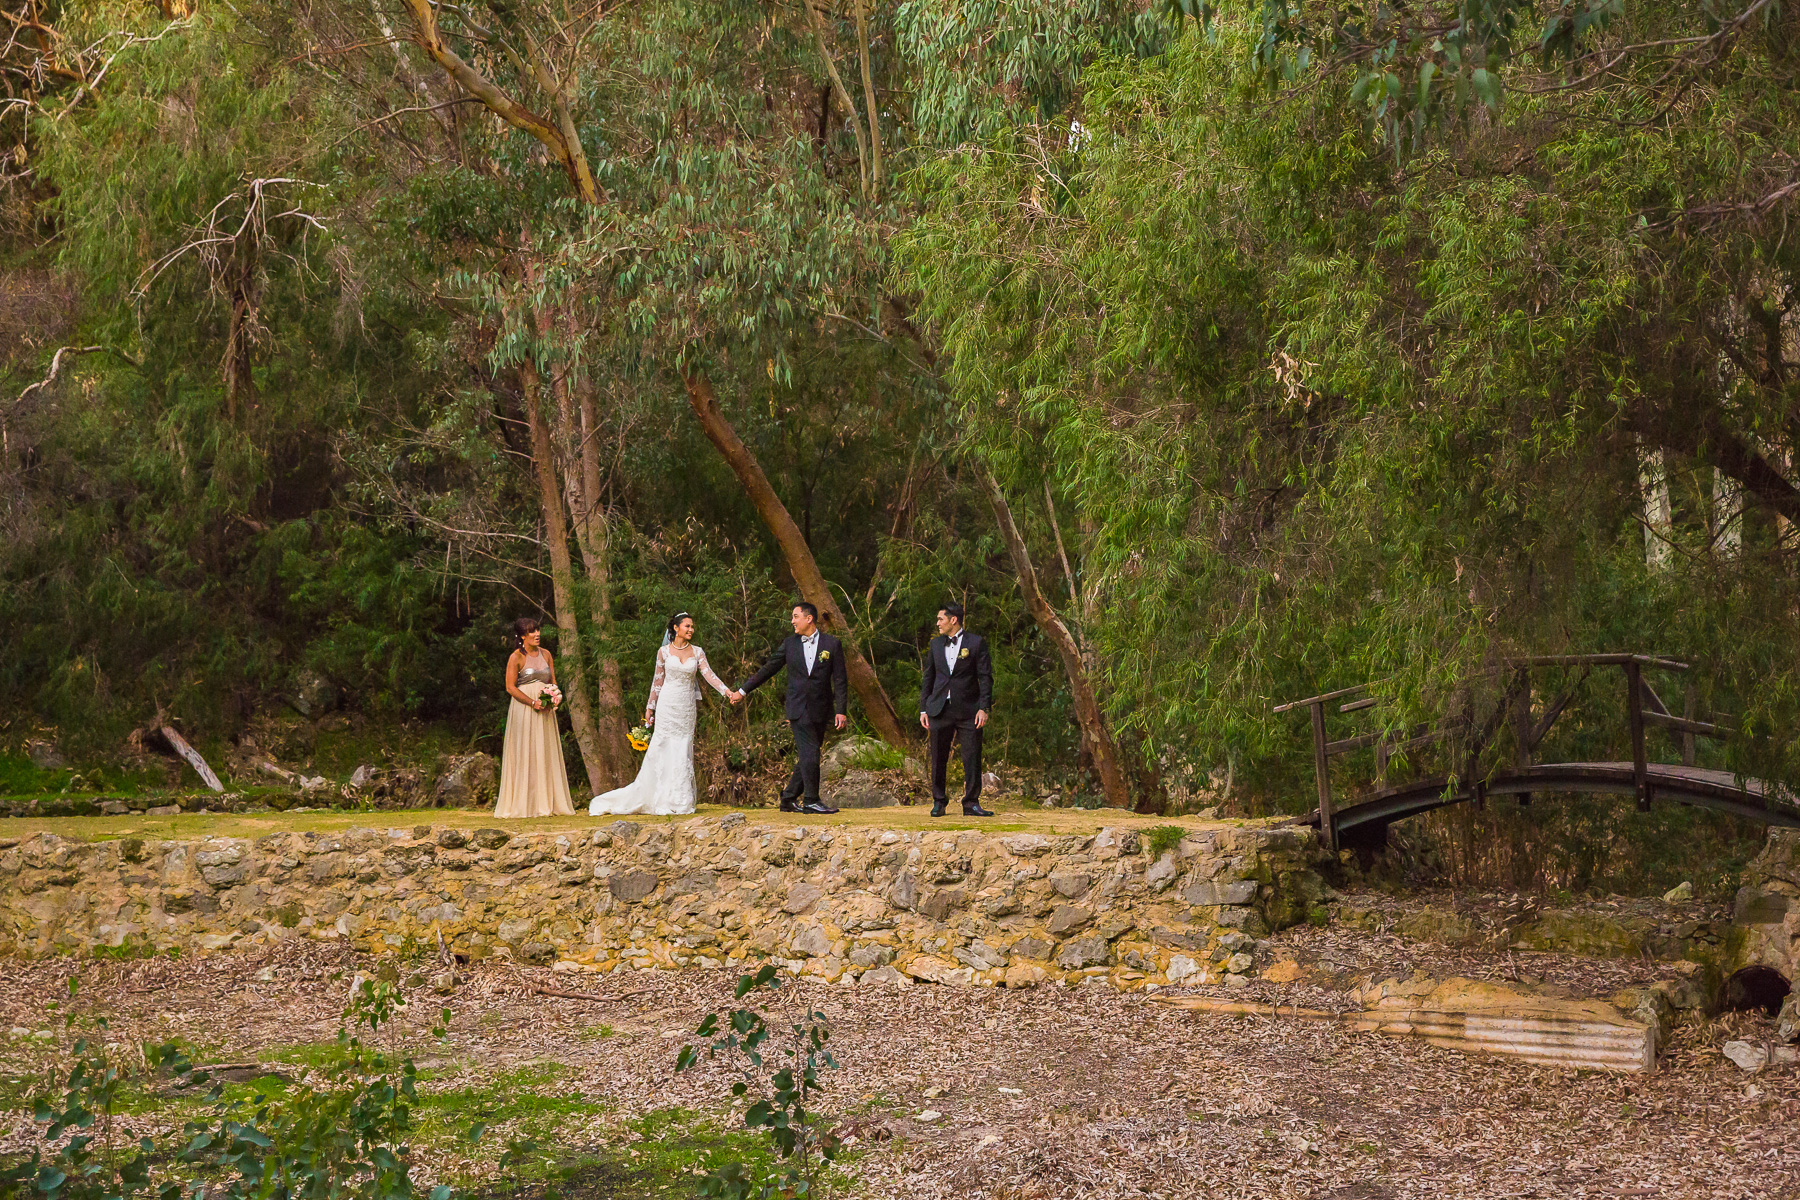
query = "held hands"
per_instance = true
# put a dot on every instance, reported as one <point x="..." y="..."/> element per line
<point x="735" y="697"/>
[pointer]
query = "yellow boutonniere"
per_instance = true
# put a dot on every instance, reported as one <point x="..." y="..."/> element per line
<point x="824" y="654"/>
<point x="965" y="653"/>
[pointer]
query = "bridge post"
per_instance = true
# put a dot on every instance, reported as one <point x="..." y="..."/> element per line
<point x="1521" y="726"/>
<point x="1640" y="770"/>
<point x="1327" y="831"/>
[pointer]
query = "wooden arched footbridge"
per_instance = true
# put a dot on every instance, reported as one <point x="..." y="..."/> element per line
<point x="1362" y="819"/>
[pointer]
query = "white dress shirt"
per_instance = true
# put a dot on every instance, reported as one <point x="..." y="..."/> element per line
<point x="809" y="646"/>
<point x="951" y="649"/>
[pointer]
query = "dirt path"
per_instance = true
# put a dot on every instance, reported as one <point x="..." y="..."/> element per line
<point x="1047" y="1092"/>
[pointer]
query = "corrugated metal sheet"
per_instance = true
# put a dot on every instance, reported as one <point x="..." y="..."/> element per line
<point x="1580" y="1035"/>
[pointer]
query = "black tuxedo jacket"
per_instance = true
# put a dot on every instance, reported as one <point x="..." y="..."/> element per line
<point x="958" y="694"/>
<point x="815" y="697"/>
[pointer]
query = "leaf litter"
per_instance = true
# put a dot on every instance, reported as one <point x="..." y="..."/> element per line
<point x="1044" y="1093"/>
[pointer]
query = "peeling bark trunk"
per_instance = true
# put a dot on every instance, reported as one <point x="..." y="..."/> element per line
<point x="596" y="543"/>
<point x="1095" y="738"/>
<point x="876" y="705"/>
<point x="868" y="80"/>
<point x="562" y="582"/>
<point x="580" y="472"/>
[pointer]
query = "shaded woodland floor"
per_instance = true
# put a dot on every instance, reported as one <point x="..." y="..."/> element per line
<point x="1044" y="1093"/>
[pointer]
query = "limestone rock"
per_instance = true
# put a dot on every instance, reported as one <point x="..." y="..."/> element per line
<point x="1787" y="1021"/>
<point x="1680" y="893"/>
<point x="1021" y="975"/>
<point x="1285" y="971"/>
<point x="491" y="839"/>
<point x="311" y="694"/>
<point x="1759" y="906"/>
<point x="1032" y="947"/>
<point x="1239" y="891"/>
<point x="800" y="898"/>
<point x="859" y="789"/>
<point x="1067" y="918"/>
<point x="1579" y="933"/>
<point x="812" y="942"/>
<point x="1439" y="925"/>
<point x="1182" y="967"/>
<point x="1747" y="1057"/>
<point x="871" y="956"/>
<point x="887" y="975"/>
<point x="1070" y="884"/>
<point x="467" y="781"/>
<point x="44" y="755"/>
<point x="836" y="761"/>
<point x="632" y="886"/>
<point x="1084" y="952"/>
<point x="1162" y="872"/>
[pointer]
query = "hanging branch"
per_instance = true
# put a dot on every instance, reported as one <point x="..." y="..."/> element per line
<point x="842" y="95"/>
<point x="874" y="115"/>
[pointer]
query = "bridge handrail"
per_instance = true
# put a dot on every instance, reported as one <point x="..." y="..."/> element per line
<point x="1513" y="664"/>
<point x="1643" y="707"/>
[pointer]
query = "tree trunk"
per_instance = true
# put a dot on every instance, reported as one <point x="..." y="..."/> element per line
<point x="876" y="705"/>
<point x="1095" y="738"/>
<point x="581" y="490"/>
<point x="862" y="49"/>
<point x="562" y="582"/>
<point x="596" y="540"/>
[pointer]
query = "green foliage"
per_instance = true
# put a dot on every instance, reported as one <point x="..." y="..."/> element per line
<point x="782" y="1094"/>
<point x="877" y="756"/>
<point x="1327" y="422"/>
<point x="342" y="1133"/>
<point x="1163" y="838"/>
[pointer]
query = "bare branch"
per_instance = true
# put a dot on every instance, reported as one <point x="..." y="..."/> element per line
<point x="56" y="365"/>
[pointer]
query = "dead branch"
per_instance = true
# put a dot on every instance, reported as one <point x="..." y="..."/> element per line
<point x="56" y="364"/>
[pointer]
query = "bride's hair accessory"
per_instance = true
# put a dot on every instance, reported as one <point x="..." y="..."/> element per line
<point x="669" y="629"/>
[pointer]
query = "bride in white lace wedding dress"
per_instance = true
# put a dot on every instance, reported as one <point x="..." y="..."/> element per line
<point x="665" y="782"/>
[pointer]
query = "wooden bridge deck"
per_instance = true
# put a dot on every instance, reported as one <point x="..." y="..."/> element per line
<point x="1721" y="790"/>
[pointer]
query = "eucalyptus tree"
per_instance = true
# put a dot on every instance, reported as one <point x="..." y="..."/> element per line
<point x="1356" y="344"/>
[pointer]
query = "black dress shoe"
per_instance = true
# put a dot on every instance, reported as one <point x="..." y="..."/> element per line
<point x="937" y="810"/>
<point x="789" y="806"/>
<point x="817" y="808"/>
<point x="975" y="810"/>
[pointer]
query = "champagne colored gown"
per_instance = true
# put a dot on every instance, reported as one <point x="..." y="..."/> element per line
<point x="533" y="782"/>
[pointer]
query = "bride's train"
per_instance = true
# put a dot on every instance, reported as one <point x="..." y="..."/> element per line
<point x="665" y="782"/>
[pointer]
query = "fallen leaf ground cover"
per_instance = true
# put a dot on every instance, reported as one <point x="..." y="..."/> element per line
<point x="1046" y="1092"/>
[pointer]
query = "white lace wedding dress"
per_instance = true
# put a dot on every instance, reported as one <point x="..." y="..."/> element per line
<point x="665" y="782"/>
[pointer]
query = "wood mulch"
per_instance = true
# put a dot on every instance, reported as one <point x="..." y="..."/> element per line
<point x="1047" y="1092"/>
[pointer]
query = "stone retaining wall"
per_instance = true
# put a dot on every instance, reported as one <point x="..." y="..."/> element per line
<point x="1768" y="905"/>
<point x="966" y="907"/>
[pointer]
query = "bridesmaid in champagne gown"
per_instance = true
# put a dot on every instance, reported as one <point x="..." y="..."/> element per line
<point x="533" y="782"/>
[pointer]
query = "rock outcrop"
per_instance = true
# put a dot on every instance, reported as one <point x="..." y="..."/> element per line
<point x="957" y="907"/>
<point x="1767" y="908"/>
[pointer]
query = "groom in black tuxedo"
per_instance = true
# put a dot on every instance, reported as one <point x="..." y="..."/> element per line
<point x="818" y="695"/>
<point x="954" y="702"/>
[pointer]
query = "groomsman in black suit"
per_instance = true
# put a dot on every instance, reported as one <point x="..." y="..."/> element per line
<point x="954" y="702"/>
<point x="818" y="697"/>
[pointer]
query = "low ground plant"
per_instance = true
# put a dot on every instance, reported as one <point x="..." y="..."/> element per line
<point x="340" y="1132"/>
<point x="1163" y="838"/>
<point x="781" y="1080"/>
